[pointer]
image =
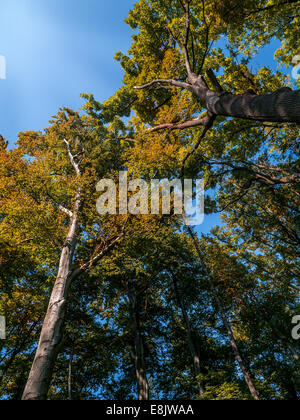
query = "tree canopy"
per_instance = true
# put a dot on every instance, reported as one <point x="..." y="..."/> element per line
<point x="143" y="306"/>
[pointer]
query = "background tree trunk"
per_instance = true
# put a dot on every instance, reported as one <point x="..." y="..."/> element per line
<point x="194" y="353"/>
<point x="234" y="346"/>
<point x="226" y="323"/>
<point x="139" y="357"/>
<point x="70" y="376"/>
<point x="143" y="385"/>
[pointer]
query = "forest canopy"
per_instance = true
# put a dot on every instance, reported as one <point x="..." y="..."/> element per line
<point x="127" y="307"/>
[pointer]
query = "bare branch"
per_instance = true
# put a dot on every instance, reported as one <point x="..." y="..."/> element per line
<point x="175" y="39"/>
<point x="240" y="196"/>
<point x="125" y="139"/>
<point x="193" y="54"/>
<point x="163" y="103"/>
<point x="171" y="82"/>
<point x="72" y="159"/>
<point x="68" y="212"/>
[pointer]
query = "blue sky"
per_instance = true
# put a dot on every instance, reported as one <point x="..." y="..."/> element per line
<point x="56" y="49"/>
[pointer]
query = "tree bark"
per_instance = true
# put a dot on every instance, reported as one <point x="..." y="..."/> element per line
<point x="281" y="106"/>
<point x="194" y="353"/>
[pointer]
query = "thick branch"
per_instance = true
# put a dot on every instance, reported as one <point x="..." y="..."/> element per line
<point x="187" y="124"/>
<point x="282" y="106"/>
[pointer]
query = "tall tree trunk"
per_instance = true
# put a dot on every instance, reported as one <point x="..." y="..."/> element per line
<point x="52" y="331"/>
<point x="226" y="323"/>
<point x="193" y="350"/>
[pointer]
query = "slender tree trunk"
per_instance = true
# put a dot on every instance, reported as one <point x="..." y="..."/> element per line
<point x="143" y="385"/>
<point x="139" y="358"/>
<point x="70" y="376"/>
<point x="234" y="346"/>
<point x="52" y="331"/>
<point x="226" y="323"/>
<point x="194" y="353"/>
